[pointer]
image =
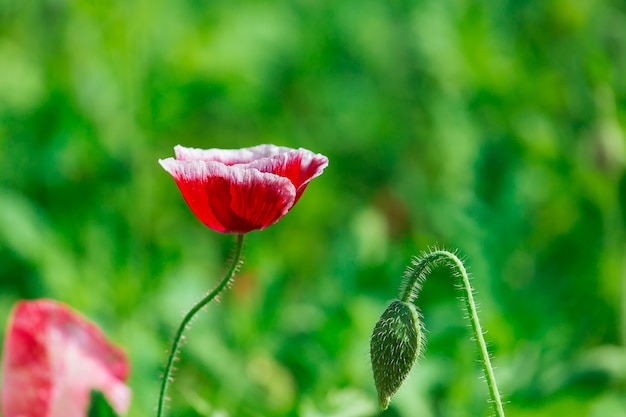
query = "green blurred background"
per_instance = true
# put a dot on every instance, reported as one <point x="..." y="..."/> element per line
<point x="492" y="127"/>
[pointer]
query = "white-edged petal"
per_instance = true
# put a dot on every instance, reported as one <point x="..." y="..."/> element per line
<point x="229" y="156"/>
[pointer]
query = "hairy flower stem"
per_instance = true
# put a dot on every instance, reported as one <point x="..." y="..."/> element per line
<point x="413" y="284"/>
<point x="183" y="325"/>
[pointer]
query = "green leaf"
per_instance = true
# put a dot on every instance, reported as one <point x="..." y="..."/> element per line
<point x="99" y="406"/>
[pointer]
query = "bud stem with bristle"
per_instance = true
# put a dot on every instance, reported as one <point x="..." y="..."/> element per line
<point x="396" y="340"/>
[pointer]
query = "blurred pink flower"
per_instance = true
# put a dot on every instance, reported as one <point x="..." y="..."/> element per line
<point x="53" y="358"/>
<point x="240" y="190"/>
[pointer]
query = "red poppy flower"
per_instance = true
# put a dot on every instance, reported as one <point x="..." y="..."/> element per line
<point x="53" y="358"/>
<point x="240" y="190"/>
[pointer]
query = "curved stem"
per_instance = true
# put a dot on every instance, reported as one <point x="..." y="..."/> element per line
<point x="190" y="314"/>
<point x="414" y="280"/>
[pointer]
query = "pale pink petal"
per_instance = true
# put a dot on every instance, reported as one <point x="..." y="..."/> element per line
<point x="53" y="358"/>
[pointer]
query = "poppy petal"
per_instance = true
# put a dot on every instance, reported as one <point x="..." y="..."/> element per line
<point x="299" y="166"/>
<point x="229" y="199"/>
<point x="240" y="190"/>
<point x="53" y="358"/>
<point x="229" y="156"/>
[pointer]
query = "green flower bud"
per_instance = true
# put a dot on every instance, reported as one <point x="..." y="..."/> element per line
<point x="394" y="348"/>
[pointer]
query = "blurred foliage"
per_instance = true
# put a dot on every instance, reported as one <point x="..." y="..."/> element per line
<point x="494" y="127"/>
<point x="99" y="406"/>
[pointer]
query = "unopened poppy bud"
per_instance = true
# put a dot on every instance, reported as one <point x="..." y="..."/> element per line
<point x="394" y="348"/>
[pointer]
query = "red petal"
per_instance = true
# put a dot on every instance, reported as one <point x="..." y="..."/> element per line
<point x="53" y="357"/>
<point x="261" y="198"/>
<point x="26" y="371"/>
<point x="231" y="199"/>
<point x="299" y="166"/>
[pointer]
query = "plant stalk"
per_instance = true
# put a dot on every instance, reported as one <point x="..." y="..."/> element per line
<point x="190" y="314"/>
